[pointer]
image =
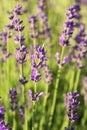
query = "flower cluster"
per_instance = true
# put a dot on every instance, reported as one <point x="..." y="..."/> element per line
<point x="78" y="53"/>
<point x="69" y="25"/>
<point x="3" y="126"/>
<point x="33" y="27"/>
<point x="44" y="20"/>
<point x="13" y="99"/>
<point x="2" y="110"/>
<point x="21" y="113"/>
<point x="36" y="96"/>
<point x="47" y="75"/>
<point x="21" y="54"/>
<point x="16" y="25"/>
<point x="38" y="61"/>
<point x="23" y="80"/>
<point x="72" y="128"/>
<point x="72" y="104"/>
<point x="4" y="36"/>
<point x="80" y="50"/>
<point x="63" y="62"/>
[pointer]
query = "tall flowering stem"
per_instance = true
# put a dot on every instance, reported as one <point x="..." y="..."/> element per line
<point x="21" y="50"/>
<point x="33" y="35"/>
<point x="55" y="92"/>
<point x="38" y="61"/>
<point x="48" y="79"/>
<point x="34" y="108"/>
<point x="67" y="33"/>
<point x="4" y="36"/>
<point x="79" y="49"/>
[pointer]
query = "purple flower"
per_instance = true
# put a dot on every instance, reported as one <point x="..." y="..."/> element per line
<point x="35" y="76"/>
<point x="16" y="21"/>
<point x="63" y="62"/>
<point x="21" y="113"/>
<point x="19" y="39"/>
<point x="2" y="110"/>
<point x="21" y="54"/>
<point x="35" y="96"/>
<point x="72" y="104"/>
<point x="8" y="55"/>
<point x="72" y="128"/>
<point x="19" y="28"/>
<point x="64" y="41"/>
<point x="23" y="80"/>
<point x="70" y="24"/>
<point x="38" y="61"/>
<point x="18" y="10"/>
<point x="33" y="27"/>
<point x="45" y="30"/>
<point x="73" y="12"/>
<point x="13" y="99"/>
<point x="32" y="19"/>
<point x="79" y="50"/>
<point x="47" y="75"/>
<point x="4" y="126"/>
<point x="39" y="57"/>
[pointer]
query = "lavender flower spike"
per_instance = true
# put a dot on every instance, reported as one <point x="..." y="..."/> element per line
<point x="72" y="105"/>
<point x="13" y="99"/>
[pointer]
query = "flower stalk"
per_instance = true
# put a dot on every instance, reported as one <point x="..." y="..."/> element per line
<point x="55" y="91"/>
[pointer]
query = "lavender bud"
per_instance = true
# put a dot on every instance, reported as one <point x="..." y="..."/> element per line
<point x="23" y="80"/>
<point x="19" y="39"/>
<point x="35" y="96"/>
<point x="21" y="54"/>
<point x="47" y="75"/>
<point x="18" y="10"/>
<point x="35" y="76"/>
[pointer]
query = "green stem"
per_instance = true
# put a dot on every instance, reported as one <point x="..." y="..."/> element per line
<point x="33" y="116"/>
<point x="14" y="121"/>
<point x="65" y="123"/>
<point x="26" y="120"/>
<point x="55" y="92"/>
<point x="84" y="119"/>
<point x="34" y="108"/>
<point x="72" y="74"/>
<point x="77" y="79"/>
<point x="43" y="113"/>
<point x="25" y="126"/>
